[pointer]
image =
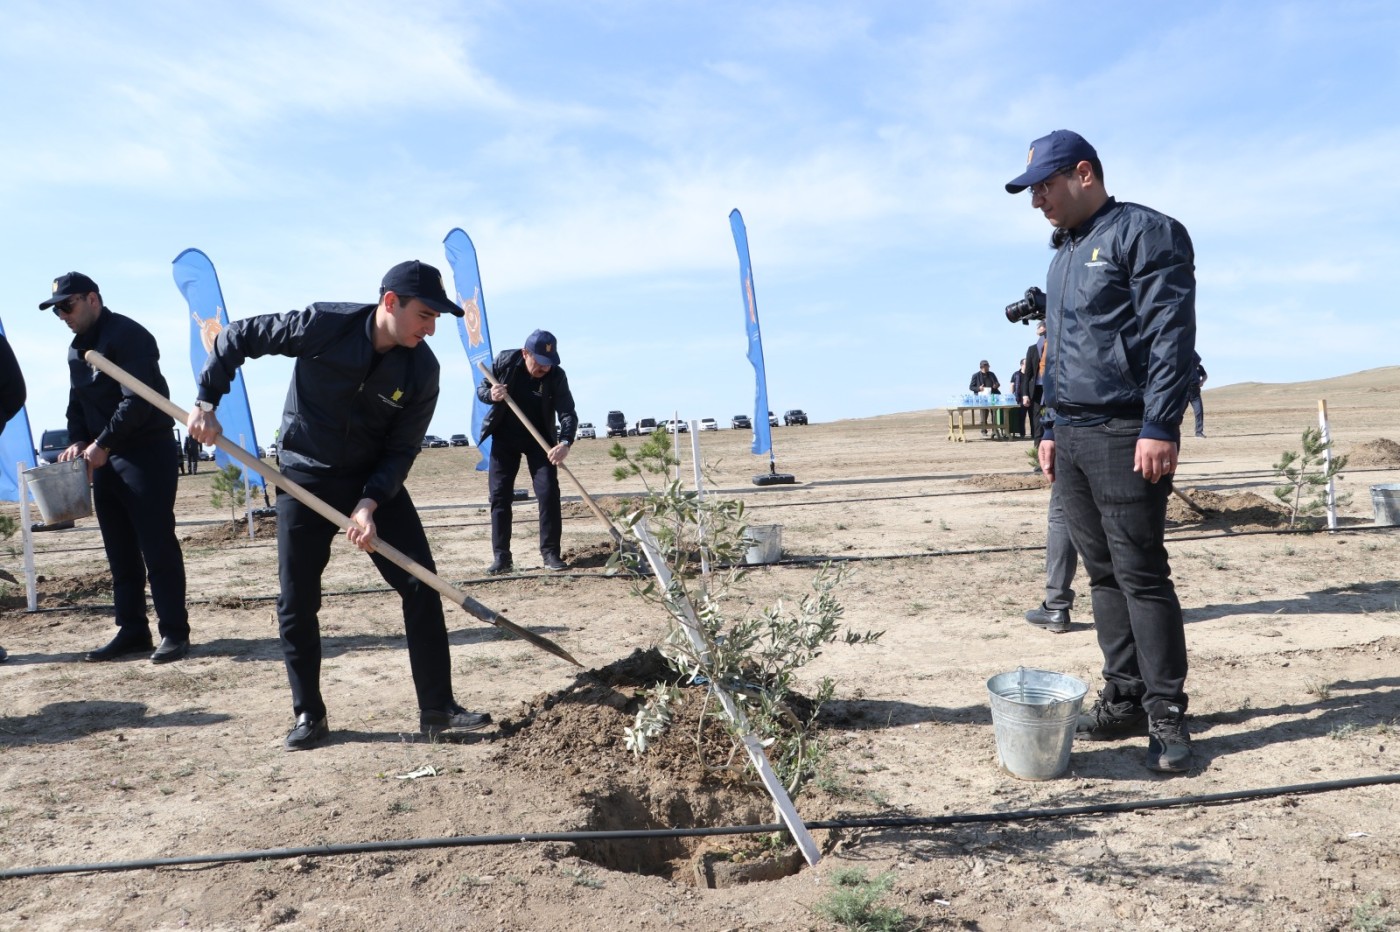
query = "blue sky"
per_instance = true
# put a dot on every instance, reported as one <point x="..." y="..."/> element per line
<point x="593" y="152"/>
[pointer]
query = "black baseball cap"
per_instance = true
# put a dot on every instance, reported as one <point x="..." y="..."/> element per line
<point x="542" y="345"/>
<point x="67" y="285"/>
<point x="414" y="279"/>
<point x="1049" y="154"/>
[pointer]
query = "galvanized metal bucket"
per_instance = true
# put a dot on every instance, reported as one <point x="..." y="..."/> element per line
<point x="1033" y="714"/>
<point x="60" y="490"/>
<point x="1385" y="501"/>
<point x="765" y="543"/>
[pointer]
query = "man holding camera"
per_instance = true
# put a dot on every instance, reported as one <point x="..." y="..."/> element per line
<point x="1119" y="358"/>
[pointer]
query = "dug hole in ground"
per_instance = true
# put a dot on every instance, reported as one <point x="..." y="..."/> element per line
<point x="1293" y="640"/>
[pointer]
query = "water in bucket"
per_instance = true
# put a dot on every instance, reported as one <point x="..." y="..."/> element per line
<point x="1033" y="714"/>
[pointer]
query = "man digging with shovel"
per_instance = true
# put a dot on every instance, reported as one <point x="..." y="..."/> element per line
<point x="363" y="392"/>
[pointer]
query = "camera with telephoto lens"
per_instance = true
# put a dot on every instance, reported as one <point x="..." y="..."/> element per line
<point x="1029" y="308"/>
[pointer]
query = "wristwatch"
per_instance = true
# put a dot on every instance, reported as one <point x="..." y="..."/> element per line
<point x="205" y="405"/>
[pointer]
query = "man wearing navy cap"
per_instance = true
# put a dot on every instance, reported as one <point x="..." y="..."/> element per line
<point x="1119" y="359"/>
<point x="129" y="447"/>
<point x="363" y="392"/>
<point x="540" y="388"/>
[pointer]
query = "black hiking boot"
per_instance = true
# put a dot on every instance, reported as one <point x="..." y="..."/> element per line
<point x="1111" y="718"/>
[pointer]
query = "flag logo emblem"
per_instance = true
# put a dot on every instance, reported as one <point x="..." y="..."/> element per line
<point x="471" y="313"/>
<point x="398" y="393"/>
<point x="208" y="329"/>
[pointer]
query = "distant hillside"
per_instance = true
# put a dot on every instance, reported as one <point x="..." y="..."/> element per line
<point x="1369" y="381"/>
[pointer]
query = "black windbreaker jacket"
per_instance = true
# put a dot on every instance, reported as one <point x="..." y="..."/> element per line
<point x="1121" y="320"/>
<point x="99" y="408"/>
<point x="350" y="411"/>
<point x="555" y="397"/>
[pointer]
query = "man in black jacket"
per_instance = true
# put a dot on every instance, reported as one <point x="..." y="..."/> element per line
<point x="131" y="455"/>
<point x="363" y="391"/>
<point x="1121" y="334"/>
<point x="541" y="389"/>
<point x="12" y="395"/>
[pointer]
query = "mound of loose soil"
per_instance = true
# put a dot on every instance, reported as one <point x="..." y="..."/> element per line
<point x="55" y="591"/>
<point x="1007" y="483"/>
<point x="264" y="527"/>
<point x="692" y="775"/>
<point x="610" y="505"/>
<point x="591" y="555"/>
<point x="1239" y="511"/>
<point x="1380" y="452"/>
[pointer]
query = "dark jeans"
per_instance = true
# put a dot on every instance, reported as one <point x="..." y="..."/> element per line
<point x="134" y="497"/>
<point x="504" y="466"/>
<point x="1117" y="521"/>
<point x="303" y="548"/>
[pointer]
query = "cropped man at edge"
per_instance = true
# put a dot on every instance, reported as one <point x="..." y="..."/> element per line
<point x="131" y="454"/>
<point x="1120" y="355"/>
<point x="12" y="396"/>
<point x="363" y="392"/>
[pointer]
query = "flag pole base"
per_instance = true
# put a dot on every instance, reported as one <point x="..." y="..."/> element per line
<point x="774" y="478"/>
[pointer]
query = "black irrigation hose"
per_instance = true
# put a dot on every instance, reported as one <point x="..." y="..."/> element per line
<point x="471" y="841"/>
<point x="790" y="561"/>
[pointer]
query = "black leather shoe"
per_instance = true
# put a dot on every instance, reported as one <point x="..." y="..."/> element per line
<point x="306" y="733"/>
<point x="1051" y="619"/>
<point x="170" y="649"/>
<point x="120" y="646"/>
<point x="500" y="565"/>
<point x="552" y="561"/>
<point x="449" y="722"/>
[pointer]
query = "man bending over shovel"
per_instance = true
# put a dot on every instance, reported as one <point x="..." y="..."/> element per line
<point x="363" y="392"/>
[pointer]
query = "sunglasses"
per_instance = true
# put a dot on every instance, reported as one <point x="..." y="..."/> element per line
<point x="64" y="307"/>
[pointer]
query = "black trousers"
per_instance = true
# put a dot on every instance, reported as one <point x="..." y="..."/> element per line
<point x="504" y="466"/>
<point x="134" y="497"/>
<point x="1117" y="520"/>
<point x="304" y="541"/>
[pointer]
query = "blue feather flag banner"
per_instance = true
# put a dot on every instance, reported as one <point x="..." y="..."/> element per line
<point x="471" y="326"/>
<point x="16" y="446"/>
<point x="762" y="432"/>
<point x="199" y="283"/>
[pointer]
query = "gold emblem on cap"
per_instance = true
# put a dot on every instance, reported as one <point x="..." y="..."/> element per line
<point x="1030" y="155"/>
<point x="55" y="287"/>
<point x="548" y="348"/>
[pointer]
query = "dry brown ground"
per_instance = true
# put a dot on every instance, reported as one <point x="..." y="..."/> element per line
<point x="1294" y="643"/>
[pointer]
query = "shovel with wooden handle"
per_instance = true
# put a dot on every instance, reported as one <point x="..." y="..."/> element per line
<point x="314" y="502"/>
<point x="544" y="445"/>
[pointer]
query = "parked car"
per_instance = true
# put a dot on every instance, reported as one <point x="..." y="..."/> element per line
<point x="587" y="431"/>
<point x="740" y="422"/>
<point x="708" y="423"/>
<point x="459" y="440"/>
<point x="643" y="427"/>
<point x="617" y="424"/>
<point x="676" y="426"/>
<point x="431" y="440"/>
<point x="772" y="419"/>
<point x="52" y="443"/>
<point x="795" y="416"/>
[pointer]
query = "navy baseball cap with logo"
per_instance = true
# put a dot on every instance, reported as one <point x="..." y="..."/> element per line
<point x="1049" y="154"/>
<point x="414" y="279"/>
<point x="67" y="285"/>
<point x="542" y="345"/>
